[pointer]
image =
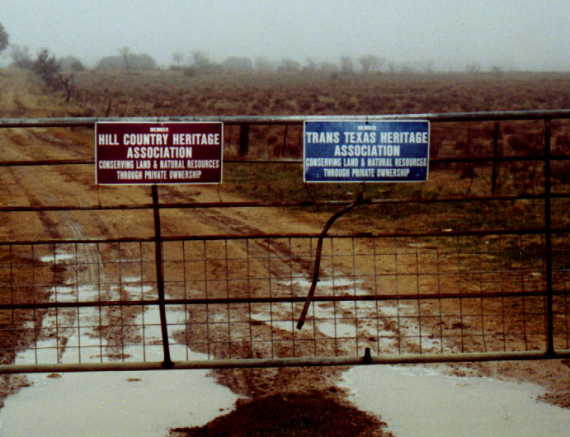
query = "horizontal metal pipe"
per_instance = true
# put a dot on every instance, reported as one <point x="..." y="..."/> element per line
<point x="80" y="241"/>
<point x="290" y="119"/>
<point x="283" y="362"/>
<point x="452" y="233"/>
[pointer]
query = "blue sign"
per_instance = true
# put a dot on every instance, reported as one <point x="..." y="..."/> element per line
<point x="366" y="151"/>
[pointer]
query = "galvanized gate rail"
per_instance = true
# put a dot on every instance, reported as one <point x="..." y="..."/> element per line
<point x="366" y="316"/>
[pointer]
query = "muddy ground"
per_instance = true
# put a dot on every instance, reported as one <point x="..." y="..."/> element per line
<point x="299" y="394"/>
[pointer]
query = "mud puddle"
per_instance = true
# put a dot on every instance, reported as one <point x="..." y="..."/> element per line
<point x="411" y="400"/>
<point x="424" y="400"/>
<point x="418" y="400"/>
<point x="121" y="404"/>
<point x="145" y="403"/>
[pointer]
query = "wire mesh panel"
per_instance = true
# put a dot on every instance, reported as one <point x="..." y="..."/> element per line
<point x="75" y="303"/>
<point x="561" y="299"/>
<point x="241" y="298"/>
<point x="393" y="296"/>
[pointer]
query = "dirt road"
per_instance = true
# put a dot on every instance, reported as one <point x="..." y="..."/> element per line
<point x="288" y="389"/>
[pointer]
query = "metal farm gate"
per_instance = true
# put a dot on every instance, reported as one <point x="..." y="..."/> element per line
<point x="494" y="289"/>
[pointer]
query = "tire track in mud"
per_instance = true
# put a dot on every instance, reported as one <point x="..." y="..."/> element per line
<point x="10" y="103"/>
<point x="112" y="325"/>
<point x="222" y="220"/>
<point x="292" y="269"/>
<point x="41" y="188"/>
<point x="50" y="225"/>
<point x="284" y="264"/>
<point x="393" y="325"/>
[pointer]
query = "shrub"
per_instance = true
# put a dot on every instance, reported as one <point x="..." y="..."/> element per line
<point x="21" y="57"/>
<point x="3" y="38"/>
<point x="47" y="67"/>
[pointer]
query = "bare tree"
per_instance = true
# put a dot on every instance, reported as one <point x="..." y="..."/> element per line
<point x="48" y="68"/>
<point x="428" y="66"/>
<point x="289" y="66"/>
<point x="71" y="63"/>
<point x="328" y="67"/>
<point x="473" y="67"/>
<point x="263" y="64"/>
<point x="311" y="65"/>
<point x="371" y="63"/>
<point x="496" y="70"/>
<point x="241" y="64"/>
<point x="21" y="57"/>
<point x="178" y="58"/>
<point x="346" y="65"/>
<point x="125" y="53"/>
<point x="200" y="59"/>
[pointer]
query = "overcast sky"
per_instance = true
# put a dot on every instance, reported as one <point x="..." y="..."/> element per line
<point x="520" y="34"/>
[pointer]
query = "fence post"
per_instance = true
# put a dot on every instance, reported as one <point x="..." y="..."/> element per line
<point x="497" y="153"/>
<point x="167" y="362"/>
<point x="548" y="237"/>
<point x="243" y="139"/>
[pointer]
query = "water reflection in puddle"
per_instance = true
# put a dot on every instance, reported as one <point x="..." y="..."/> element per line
<point x="109" y="404"/>
<point x="143" y="403"/>
<point x="417" y="401"/>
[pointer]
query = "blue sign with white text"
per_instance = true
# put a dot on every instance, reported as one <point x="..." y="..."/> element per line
<point x="366" y="151"/>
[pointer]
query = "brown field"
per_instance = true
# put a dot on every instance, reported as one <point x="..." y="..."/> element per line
<point x="170" y="93"/>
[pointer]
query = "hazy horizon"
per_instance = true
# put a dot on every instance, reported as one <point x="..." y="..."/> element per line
<point x="511" y="34"/>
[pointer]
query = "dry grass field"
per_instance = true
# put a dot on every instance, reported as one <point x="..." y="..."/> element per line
<point x="171" y="93"/>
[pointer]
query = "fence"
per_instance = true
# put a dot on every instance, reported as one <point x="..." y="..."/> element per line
<point x="491" y="289"/>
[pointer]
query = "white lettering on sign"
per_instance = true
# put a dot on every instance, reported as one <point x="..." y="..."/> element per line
<point x="366" y="150"/>
<point x="410" y="162"/>
<point x="362" y="172"/>
<point x="196" y="139"/>
<point x="185" y="174"/>
<point x="147" y="153"/>
<point x="360" y="137"/>
<point x="158" y="129"/>
<point x="171" y="164"/>
<point x="108" y="139"/>
<point x="203" y="163"/>
<point x="379" y="162"/>
<point x="336" y="172"/>
<point x="323" y="162"/>
<point x="145" y="139"/>
<point x="393" y="172"/>
<point x="403" y="137"/>
<point x="129" y="174"/>
<point x="159" y="152"/>
<point x="155" y="174"/>
<point x="323" y="137"/>
<point x="112" y="165"/>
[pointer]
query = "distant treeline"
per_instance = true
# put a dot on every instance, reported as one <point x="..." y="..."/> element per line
<point x="198" y="62"/>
